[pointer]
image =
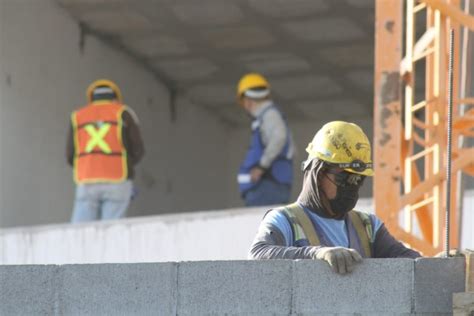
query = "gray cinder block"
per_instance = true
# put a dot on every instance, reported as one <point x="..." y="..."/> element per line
<point x="463" y="304"/>
<point x="376" y="286"/>
<point x="436" y="279"/>
<point x="235" y="288"/>
<point x="118" y="289"/>
<point x="27" y="290"/>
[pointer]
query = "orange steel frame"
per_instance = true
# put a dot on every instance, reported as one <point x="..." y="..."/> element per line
<point x="410" y="125"/>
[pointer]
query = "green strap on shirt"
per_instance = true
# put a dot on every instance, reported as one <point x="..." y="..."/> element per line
<point x="303" y="228"/>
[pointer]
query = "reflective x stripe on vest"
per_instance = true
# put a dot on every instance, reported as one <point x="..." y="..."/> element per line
<point x="281" y="169"/>
<point x="97" y="138"/>
<point x="303" y="228"/>
<point x="100" y="154"/>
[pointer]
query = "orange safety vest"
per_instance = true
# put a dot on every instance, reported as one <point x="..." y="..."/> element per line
<point x="100" y="154"/>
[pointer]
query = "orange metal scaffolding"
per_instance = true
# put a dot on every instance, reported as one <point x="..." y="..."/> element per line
<point x="410" y="120"/>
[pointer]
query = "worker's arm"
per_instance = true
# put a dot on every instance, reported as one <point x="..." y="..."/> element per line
<point x="70" y="147"/>
<point x="386" y="246"/>
<point x="132" y="137"/>
<point x="270" y="244"/>
<point x="274" y="134"/>
<point x="274" y="241"/>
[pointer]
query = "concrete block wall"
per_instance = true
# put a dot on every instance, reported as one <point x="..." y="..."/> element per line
<point x="272" y="287"/>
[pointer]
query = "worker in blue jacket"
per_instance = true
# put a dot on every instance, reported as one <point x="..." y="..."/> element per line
<point x="265" y="176"/>
<point x="322" y="223"/>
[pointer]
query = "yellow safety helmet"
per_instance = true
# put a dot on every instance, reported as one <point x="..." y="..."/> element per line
<point x="251" y="81"/>
<point x="344" y="145"/>
<point x="100" y="83"/>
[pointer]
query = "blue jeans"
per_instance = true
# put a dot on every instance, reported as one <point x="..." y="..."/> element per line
<point x="101" y="201"/>
<point x="268" y="192"/>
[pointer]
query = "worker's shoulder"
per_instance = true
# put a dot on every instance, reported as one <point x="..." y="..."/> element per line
<point x="364" y="214"/>
<point x="276" y="216"/>
<point x="128" y="112"/>
<point x="272" y="114"/>
<point x="279" y="212"/>
<point x="370" y="218"/>
<point x="272" y="109"/>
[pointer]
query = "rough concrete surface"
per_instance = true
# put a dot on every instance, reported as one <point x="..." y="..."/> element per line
<point x="28" y="290"/>
<point x="463" y="304"/>
<point x="376" y="286"/>
<point x="436" y="279"/>
<point x="127" y="289"/>
<point x="235" y="288"/>
<point x="267" y="287"/>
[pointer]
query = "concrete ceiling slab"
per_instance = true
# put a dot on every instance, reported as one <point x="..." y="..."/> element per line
<point x="363" y="79"/>
<point x="238" y="37"/>
<point x="208" y="13"/>
<point x="156" y="46"/>
<point x="274" y="63"/>
<point x="187" y="69"/>
<point x="304" y="86"/>
<point x="312" y="51"/>
<point x="324" y="29"/>
<point x="218" y="94"/>
<point x="118" y="21"/>
<point x="233" y="114"/>
<point x="345" y="107"/>
<point x="362" y="3"/>
<point x="90" y="2"/>
<point x="286" y="9"/>
<point x="349" y="56"/>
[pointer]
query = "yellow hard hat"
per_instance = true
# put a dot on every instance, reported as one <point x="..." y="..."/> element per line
<point x="251" y="81"/>
<point x="103" y="83"/>
<point x="344" y="145"/>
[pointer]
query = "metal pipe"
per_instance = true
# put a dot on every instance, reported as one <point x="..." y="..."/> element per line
<point x="449" y="147"/>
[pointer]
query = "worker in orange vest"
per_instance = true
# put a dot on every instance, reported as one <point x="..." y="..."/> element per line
<point x="104" y="144"/>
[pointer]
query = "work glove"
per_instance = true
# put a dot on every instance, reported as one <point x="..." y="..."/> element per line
<point x="342" y="260"/>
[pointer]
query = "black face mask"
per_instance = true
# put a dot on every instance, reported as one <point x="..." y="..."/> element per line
<point x="345" y="201"/>
<point x="347" y="194"/>
<point x="312" y="195"/>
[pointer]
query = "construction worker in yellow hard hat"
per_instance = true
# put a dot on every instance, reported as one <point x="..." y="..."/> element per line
<point x="265" y="176"/>
<point x="322" y="223"/>
<point x="104" y="144"/>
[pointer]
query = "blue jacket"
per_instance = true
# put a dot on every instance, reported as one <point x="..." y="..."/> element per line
<point x="281" y="169"/>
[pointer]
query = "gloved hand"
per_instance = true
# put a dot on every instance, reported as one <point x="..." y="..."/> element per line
<point x="342" y="260"/>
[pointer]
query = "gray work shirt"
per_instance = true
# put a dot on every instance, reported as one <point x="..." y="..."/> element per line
<point x="273" y="133"/>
